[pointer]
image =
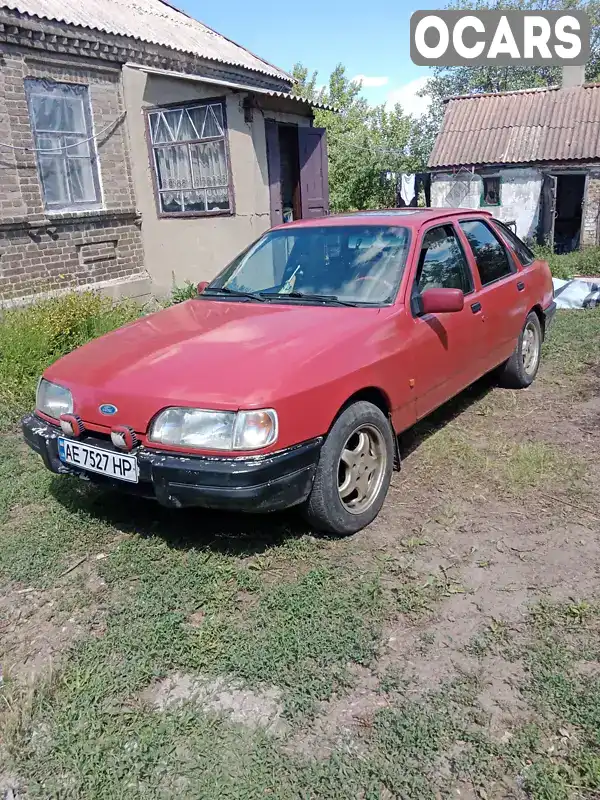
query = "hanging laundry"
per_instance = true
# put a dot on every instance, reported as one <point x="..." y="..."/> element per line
<point x="407" y="188"/>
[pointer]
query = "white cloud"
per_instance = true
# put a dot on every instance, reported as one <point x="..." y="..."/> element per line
<point x="371" y="82"/>
<point x="407" y="96"/>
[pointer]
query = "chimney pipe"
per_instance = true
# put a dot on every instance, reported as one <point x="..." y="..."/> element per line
<point x="573" y="75"/>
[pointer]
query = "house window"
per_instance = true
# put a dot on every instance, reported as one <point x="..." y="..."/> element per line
<point x="61" y="123"/>
<point x="491" y="191"/>
<point x="190" y="159"/>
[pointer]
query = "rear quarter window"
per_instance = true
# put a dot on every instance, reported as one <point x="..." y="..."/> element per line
<point x="525" y="255"/>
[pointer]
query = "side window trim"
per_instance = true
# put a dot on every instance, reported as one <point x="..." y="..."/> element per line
<point x="414" y="289"/>
<point x="509" y="256"/>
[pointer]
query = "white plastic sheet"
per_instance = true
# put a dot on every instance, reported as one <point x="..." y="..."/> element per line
<point x="577" y="293"/>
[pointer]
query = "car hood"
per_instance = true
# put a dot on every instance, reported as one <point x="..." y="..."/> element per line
<point x="203" y="353"/>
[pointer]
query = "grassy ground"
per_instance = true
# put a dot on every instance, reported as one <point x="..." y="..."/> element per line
<point x="452" y="646"/>
<point x="567" y="265"/>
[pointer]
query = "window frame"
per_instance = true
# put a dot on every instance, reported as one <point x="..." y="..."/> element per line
<point x="482" y="201"/>
<point x="201" y="102"/>
<point x="514" y="269"/>
<point x="415" y="292"/>
<point x="89" y="137"/>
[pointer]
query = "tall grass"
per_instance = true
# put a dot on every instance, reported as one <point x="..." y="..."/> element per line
<point x="31" y="338"/>
<point x="568" y="265"/>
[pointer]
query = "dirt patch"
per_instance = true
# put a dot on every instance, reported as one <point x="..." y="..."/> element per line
<point x="34" y="633"/>
<point x="500" y="699"/>
<point x="341" y="719"/>
<point x="260" y="708"/>
<point x="11" y="788"/>
<point x="38" y="626"/>
<point x="196" y="619"/>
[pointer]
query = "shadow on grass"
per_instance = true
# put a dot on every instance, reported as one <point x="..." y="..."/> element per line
<point x="414" y="437"/>
<point x="221" y="531"/>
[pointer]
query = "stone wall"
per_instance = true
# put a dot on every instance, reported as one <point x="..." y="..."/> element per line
<point x="591" y="209"/>
<point x="40" y="250"/>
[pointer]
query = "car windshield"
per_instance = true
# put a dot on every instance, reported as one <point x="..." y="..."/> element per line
<point x="352" y="263"/>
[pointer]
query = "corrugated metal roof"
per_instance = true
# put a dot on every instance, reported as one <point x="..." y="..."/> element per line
<point x="153" y="21"/>
<point x="520" y="127"/>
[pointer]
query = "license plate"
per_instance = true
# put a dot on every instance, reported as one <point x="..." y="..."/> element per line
<point x="95" y="459"/>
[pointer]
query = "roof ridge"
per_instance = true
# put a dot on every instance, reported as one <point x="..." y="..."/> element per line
<point x="477" y="95"/>
<point x="531" y="90"/>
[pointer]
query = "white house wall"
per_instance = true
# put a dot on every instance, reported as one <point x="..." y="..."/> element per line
<point x="519" y="194"/>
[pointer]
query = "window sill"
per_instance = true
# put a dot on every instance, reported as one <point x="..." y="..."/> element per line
<point x="194" y="214"/>
<point x="50" y="220"/>
<point x="91" y="214"/>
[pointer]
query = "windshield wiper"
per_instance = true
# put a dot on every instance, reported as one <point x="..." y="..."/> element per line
<point x="322" y="298"/>
<point x="216" y="290"/>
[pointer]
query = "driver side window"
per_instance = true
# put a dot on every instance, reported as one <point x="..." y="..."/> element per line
<point x="442" y="263"/>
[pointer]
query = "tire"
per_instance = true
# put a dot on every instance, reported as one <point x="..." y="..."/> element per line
<point x="521" y="368"/>
<point x="365" y="435"/>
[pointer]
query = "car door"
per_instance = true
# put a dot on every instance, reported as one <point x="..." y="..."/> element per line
<point x="448" y="347"/>
<point x="503" y="294"/>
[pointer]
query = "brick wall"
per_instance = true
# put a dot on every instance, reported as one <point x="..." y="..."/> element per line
<point x="591" y="210"/>
<point x="41" y="251"/>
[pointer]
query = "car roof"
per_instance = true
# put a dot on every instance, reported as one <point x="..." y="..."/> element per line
<point x="405" y="217"/>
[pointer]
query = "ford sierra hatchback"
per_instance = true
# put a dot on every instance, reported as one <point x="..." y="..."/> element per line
<point x="286" y="381"/>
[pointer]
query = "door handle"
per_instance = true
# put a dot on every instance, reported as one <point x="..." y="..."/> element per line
<point x="520" y="286"/>
<point x="475" y="307"/>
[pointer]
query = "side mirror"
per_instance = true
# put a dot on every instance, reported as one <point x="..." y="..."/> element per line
<point x="202" y="286"/>
<point x="442" y="301"/>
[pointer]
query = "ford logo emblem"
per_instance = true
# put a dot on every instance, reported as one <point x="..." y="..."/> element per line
<point x="108" y="409"/>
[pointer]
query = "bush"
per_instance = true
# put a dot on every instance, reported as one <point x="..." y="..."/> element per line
<point x="31" y="338"/>
<point x="188" y="291"/>
<point x="579" y="262"/>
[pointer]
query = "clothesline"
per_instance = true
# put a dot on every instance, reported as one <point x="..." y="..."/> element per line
<point x="65" y="146"/>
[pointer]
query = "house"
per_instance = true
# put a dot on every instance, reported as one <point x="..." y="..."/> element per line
<point x="532" y="157"/>
<point x="138" y="145"/>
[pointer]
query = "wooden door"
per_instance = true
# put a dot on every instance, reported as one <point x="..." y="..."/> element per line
<point x="314" y="181"/>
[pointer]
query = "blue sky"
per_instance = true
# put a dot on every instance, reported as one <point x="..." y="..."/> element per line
<point x="370" y="38"/>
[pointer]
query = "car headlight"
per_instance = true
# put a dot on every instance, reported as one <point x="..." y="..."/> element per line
<point x="215" y="430"/>
<point x="53" y="399"/>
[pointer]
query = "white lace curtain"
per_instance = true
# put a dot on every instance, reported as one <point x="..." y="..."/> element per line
<point x="192" y="174"/>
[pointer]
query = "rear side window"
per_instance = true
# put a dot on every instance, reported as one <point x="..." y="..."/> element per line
<point x="490" y="254"/>
<point x="524" y="254"/>
<point x="442" y="263"/>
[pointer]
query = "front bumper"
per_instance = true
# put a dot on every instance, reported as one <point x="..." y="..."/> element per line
<point x="262" y="483"/>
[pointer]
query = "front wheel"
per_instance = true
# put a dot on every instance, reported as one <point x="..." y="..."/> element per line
<point x="521" y="368"/>
<point x="354" y="472"/>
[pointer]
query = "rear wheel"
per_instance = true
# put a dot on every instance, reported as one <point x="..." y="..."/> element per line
<point x="354" y="472"/>
<point x="521" y="368"/>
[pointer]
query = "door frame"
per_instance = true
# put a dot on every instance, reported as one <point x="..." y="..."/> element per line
<point x="561" y="173"/>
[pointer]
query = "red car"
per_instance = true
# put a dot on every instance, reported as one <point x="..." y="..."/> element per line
<point x="286" y="381"/>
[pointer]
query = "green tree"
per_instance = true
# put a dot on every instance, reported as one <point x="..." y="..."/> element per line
<point x="364" y="141"/>
<point x="447" y="81"/>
